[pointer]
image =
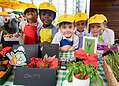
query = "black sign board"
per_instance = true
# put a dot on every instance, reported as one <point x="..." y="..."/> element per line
<point x="35" y="77"/>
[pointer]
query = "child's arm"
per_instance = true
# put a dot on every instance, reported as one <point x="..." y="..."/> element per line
<point x="65" y="48"/>
<point x="57" y="38"/>
<point x="75" y="42"/>
<point x="23" y="37"/>
<point x="71" y="48"/>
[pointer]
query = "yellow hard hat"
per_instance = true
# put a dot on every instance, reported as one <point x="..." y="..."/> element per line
<point x="47" y="6"/>
<point x="95" y="19"/>
<point x="80" y="16"/>
<point x="101" y="15"/>
<point x="65" y="18"/>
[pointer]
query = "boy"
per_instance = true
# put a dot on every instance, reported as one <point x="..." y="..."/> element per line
<point x="30" y="30"/>
<point x="66" y="37"/>
<point x="47" y="13"/>
<point x="81" y="26"/>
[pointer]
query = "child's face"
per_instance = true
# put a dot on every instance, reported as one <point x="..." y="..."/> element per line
<point x="46" y="17"/>
<point x="95" y="28"/>
<point x="31" y="16"/>
<point x="80" y="25"/>
<point x="67" y="30"/>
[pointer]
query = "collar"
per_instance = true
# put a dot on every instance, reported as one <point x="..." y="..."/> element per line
<point x="51" y="26"/>
<point x="71" y="38"/>
<point x="33" y="24"/>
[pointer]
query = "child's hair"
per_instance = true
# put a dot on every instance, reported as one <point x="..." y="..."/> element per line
<point x="48" y="10"/>
<point x="64" y="23"/>
<point x="31" y="10"/>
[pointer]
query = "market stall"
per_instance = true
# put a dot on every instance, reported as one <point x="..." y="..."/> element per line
<point x="62" y="72"/>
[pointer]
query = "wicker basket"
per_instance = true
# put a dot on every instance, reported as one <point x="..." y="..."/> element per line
<point x="109" y="75"/>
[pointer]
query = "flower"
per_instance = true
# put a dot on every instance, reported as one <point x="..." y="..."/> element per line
<point x="49" y="62"/>
<point x="81" y="54"/>
<point x="87" y="58"/>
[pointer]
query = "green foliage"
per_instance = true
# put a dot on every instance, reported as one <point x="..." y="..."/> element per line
<point x="113" y="61"/>
<point x="79" y="67"/>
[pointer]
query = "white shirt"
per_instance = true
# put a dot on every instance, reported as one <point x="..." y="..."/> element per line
<point x="58" y="37"/>
<point x="109" y="36"/>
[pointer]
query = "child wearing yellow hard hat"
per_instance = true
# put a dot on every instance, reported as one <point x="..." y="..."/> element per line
<point x="96" y="23"/>
<point x="81" y="26"/>
<point x="108" y="34"/>
<point x="66" y="37"/>
<point x="47" y="13"/>
<point x="30" y="29"/>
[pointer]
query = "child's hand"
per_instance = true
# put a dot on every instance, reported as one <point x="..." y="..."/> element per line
<point x="65" y="48"/>
<point x="71" y="48"/>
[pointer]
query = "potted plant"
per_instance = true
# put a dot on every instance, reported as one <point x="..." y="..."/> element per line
<point x="111" y="68"/>
<point x="85" y="70"/>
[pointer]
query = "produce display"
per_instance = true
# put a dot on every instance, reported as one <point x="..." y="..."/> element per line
<point x="113" y="61"/>
<point x="5" y="67"/>
<point x="46" y="62"/>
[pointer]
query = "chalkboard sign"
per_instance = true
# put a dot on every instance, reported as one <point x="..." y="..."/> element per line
<point x="35" y="77"/>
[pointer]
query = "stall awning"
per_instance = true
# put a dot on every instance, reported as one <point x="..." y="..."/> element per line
<point x="14" y="4"/>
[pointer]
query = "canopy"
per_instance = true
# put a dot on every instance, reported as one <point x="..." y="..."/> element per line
<point x="23" y="5"/>
<point x="9" y="4"/>
<point x="16" y="5"/>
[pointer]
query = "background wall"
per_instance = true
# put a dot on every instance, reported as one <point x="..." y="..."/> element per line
<point x="109" y="8"/>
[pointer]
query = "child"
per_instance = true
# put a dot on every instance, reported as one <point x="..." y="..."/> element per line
<point x="81" y="26"/>
<point x="66" y="37"/>
<point x="97" y="29"/>
<point x="47" y="13"/>
<point x="108" y="34"/>
<point x="30" y="30"/>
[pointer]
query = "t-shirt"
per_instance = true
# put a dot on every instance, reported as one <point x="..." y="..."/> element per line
<point x="109" y="36"/>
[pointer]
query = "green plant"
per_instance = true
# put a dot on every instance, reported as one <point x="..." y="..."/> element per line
<point x="80" y="68"/>
<point x="113" y="61"/>
<point x="83" y="71"/>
